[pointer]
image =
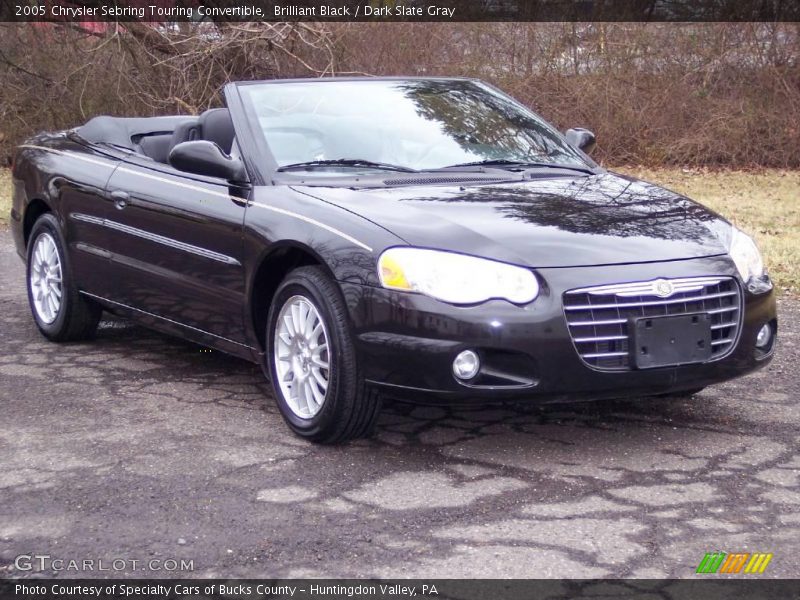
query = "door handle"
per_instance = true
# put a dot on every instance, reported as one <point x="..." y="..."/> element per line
<point x="120" y="198"/>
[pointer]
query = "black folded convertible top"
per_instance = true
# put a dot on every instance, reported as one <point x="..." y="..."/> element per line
<point x="127" y="132"/>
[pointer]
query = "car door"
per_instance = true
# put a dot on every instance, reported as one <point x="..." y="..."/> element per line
<point x="177" y="248"/>
<point x="84" y="206"/>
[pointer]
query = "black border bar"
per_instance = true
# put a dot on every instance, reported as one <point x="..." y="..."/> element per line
<point x="401" y="10"/>
<point x="400" y="589"/>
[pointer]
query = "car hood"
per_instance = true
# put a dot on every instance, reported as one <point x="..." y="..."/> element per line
<point x="553" y="222"/>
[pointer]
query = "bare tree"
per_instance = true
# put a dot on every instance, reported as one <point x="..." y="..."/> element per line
<point x="710" y="94"/>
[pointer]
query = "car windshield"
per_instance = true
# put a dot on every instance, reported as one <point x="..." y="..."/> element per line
<point x="416" y="124"/>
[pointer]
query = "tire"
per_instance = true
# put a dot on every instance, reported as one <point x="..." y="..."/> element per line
<point x="342" y="409"/>
<point x="60" y="312"/>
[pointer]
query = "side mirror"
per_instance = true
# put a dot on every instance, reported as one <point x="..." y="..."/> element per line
<point x="581" y="138"/>
<point x="202" y="157"/>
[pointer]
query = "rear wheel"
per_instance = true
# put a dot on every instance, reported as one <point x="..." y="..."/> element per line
<point x="60" y="312"/>
<point x="312" y="361"/>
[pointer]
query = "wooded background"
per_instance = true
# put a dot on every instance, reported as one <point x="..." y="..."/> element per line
<point x="718" y="95"/>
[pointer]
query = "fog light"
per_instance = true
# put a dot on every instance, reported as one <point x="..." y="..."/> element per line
<point x="466" y="365"/>
<point x="764" y="336"/>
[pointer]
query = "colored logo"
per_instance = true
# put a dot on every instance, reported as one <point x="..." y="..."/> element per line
<point x="741" y="562"/>
<point x="663" y="288"/>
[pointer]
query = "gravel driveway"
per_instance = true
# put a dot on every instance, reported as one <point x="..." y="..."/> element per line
<point x="138" y="446"/>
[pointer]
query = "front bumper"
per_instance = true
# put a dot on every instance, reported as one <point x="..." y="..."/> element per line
<point x="407" y="342"/>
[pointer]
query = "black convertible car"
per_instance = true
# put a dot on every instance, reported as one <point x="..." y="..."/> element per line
<point x="423" y="238"/>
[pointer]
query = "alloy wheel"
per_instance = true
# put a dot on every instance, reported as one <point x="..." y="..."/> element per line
<point x="302" y="356"/>
<point x="45" y="278"/>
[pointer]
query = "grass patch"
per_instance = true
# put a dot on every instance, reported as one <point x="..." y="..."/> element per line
<point x="5" y="195"/>
<point x="765" y="204"/>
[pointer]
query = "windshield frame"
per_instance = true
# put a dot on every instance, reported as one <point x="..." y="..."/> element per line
<point x="271" y="170"/>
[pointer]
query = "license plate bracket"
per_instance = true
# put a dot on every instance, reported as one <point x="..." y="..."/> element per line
<point x="672" y="340"/>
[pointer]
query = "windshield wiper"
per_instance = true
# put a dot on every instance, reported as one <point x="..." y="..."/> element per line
<point x="346" y="162"/>
<point x="520" y="163"/>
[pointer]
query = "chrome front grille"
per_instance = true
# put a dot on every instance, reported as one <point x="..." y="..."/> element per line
<point x="601" y="318"/>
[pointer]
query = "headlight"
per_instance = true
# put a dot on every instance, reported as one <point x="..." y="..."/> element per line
<point x="455" y="278"/>
<point x="745" y="255"/>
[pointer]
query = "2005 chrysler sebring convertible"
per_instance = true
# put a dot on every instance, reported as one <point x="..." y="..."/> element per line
<point x="421" y="238"/>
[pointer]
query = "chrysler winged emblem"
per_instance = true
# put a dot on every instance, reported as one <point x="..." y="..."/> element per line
<point x="663" y="288"/>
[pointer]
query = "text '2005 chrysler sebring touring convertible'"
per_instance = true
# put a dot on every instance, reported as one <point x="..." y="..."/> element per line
<point x="427" y="239"/>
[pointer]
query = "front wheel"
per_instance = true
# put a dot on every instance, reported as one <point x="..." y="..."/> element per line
<point x="312" y="361"/>
<point x="59" y="310"/>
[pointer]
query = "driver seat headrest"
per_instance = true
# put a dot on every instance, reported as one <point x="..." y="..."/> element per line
<point x="216" y="126"/>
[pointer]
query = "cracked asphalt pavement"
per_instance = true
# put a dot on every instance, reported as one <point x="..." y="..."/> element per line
<point x="140" y="446"/>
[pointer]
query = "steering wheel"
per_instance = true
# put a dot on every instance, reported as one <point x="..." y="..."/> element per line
<point x="420" y="160"/>
<point x="305" y="132"/>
